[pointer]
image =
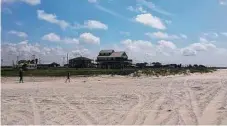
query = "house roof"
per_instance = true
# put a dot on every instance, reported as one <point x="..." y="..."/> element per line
<point x="54" y="63"/>
<point x="114" y="54"/>
<point x="106" y="51"/>
<point x="80" y="58"/>
<point x="117" y="54"/>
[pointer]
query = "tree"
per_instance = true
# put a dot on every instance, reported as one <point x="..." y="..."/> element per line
<point x="28" y="62"/>
<point x="157" y="64"/>
<point x="32" y="61"/>
<point x="141" y="65"/>
<point x="24" y="66"/>
<point x="202" y="66"/>
<point x="195" y="65"/>
<point x="36" y="61"/>
<point x="189" y="66"/>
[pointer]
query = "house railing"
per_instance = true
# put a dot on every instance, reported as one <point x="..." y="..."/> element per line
<point x="116" y="60"/>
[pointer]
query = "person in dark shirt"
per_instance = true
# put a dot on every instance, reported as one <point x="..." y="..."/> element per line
<point x="68" y="77"/>
<point x="21" y="76"/>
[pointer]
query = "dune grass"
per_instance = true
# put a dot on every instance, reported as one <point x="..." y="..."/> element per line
<point x="94" y="72"/>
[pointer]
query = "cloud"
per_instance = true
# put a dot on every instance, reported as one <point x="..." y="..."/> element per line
<point x="84" y="37"/>
<point x="8" y="1"/>
<point x="80" y="52"/>
<point x="130" y="8"/>
<point x="124" y="33"/>
<point x="166" y="44"/>
<point x="150" y="20"/>
<point x="52" y="18"/>
<point x="137" y="45"/>
<point x="107" y="10"/>
<point x="25" y="50"/>
<point x="113" y="13"/>
<point x="89" y="38"/>
<point x="202" y="46"/>
<point x="210" y="35"/>
<point x="167" y="52"/>
<point x="201" y="39"/>
<point x="30" y="2"/>
<point x="145" y="51"/>
<point x="162" y="35"/>
<point x="138" y="9"/>
<point x="24" y="42"/>
<point x="138" y="50"/>
<point x="92" y="24"/>
<point x="224" y="33"/>
<point x="7" y="10"/>
<point x="205" y="53"/>
<point x="188" y="52"/>
<point x="52" y="37"/>
<point x="92" y="1"/>
<point x="183" y="36"/>
<point x="19" y="23"/>
<point x="168" y="21"/>
<point x="71" y="41"/>
<point x="19" y="34"/>
<point x="223" y="2"/>
<point x="153" y="7"/>
<point x="198" y="47"/>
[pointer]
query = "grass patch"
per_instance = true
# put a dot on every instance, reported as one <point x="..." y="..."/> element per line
<point x="63" y="72"/>
<point x="94" y="72"/>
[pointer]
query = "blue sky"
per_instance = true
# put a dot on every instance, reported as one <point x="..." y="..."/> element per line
<point x="169" y="31"/>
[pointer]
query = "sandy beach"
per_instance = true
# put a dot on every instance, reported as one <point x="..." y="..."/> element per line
<point x="191" y="99"/>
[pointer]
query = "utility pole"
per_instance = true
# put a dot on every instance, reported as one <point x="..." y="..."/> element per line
<point x="17" y="59"/>
<point x="13" y="63"/>
<point x="67" y="60"/>
<point x="39" y="61"/>
<point x="63" y="61"/>
<point x="33" y="57"/>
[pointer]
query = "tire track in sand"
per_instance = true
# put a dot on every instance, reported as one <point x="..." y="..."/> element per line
<point x="191" y="114"/>
<point x="79" y="112"/>
<point x="210" y="115"/>
<point x="35" y="112"/>
<point x="206" y="115"/>
<point x="133" y="114"/>
<point x="154" y="118"/>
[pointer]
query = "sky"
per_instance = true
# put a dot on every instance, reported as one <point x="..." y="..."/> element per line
<point x="166" y="31"/>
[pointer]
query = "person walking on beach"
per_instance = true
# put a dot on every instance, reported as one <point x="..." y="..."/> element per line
<point x="21" y="76"/>
<point x="68" y="77"/>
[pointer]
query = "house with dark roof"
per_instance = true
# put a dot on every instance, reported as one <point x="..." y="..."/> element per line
<point x="51" y="65"/>
<point x="111" y="59"/>
<point x="80" y="62"/>
<point x="27" y="64"/>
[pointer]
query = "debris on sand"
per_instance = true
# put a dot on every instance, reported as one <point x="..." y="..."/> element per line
<point x="197" y="88"/>
<point x="222" y="108"/>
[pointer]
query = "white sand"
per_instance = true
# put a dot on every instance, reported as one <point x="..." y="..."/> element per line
<point x="193" y="99"/>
